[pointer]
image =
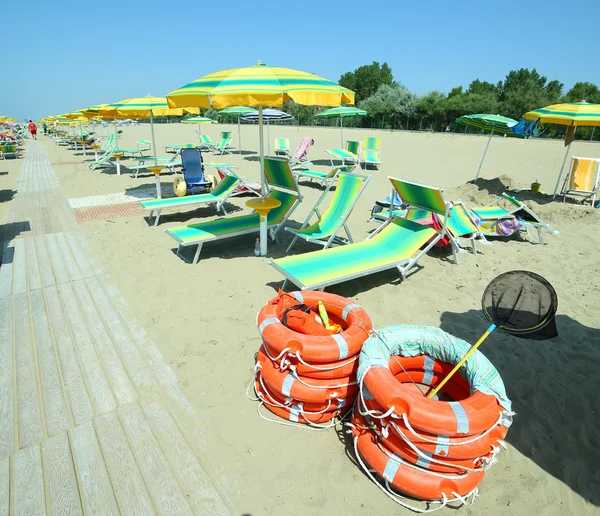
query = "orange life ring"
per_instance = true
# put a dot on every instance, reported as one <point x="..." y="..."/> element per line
<point x="320" y="349"/>
<point x="396" y="445"/>
<point x="471" y="416"/>
<point x="296" y="412"/>
<point x="412" y="480"/>
<point x="323" y="371"/>
<point x="306" y="389"/>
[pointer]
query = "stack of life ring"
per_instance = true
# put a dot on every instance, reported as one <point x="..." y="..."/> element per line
<point x="429" y="449"/>
<point x="309" y="379"/>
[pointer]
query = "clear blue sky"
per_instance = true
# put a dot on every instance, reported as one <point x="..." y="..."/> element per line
<point x="63" y="55"/>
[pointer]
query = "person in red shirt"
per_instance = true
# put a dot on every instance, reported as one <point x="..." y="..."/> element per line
<point x="33" y="130"/>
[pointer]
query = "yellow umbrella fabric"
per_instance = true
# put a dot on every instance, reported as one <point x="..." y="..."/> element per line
<point x="260" y="85"/>
<point x="577" y="114"/>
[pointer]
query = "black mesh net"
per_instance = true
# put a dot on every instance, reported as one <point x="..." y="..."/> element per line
<point x="523" y="304"/>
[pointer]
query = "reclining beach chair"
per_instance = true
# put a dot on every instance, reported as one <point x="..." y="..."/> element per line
<point x="298" y="160"/>
<point x="282" y="147"/>
<point x="324" y="178"/>
<point x="244" y="187"/>
<point x="282" y="187"/>
<point x="324" y="230"/>
<point x="495" y="220"/>
<point x="399" y="243"/>
<point x="104" y="158"/>
<point x="144" y="162"/>
<point x="350" y="154"/>
<point x="217" y="198"/>
<point x="370" y="154"/>
<point x="582" y="180"/>
<point x="176" y="148"/>
<point x="193" y="170"/>
<point x="205" y="142"/>
<point x="9" y="149"/>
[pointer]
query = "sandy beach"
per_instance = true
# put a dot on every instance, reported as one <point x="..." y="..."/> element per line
<point x="202" y="317"/>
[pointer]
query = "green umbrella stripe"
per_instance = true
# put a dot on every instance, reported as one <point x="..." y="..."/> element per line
<point x="276" y="82"/>
<point x="574" y="113"/>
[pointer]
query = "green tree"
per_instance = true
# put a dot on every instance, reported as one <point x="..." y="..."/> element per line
<point x="366" y="80"/>
<point x="583" y="91"/>
<point x="524" y="90"/>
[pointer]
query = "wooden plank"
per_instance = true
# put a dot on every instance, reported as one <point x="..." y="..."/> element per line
<point x="19" y="267"/>
<point x="117" y="377"/>
<point x="187" y="418"/>
<point x="60" y="273"/>
<point x="61" y="485"/>
<point x="128" y="351"/>
<point x="161" y="371"/>
<point x="28" y="402"/>
<point x="33" y="271"/>
<point x="80" y="258"/>
<point x="47" y="276"/>
<point x="4" y="486"/>
<point x="28" y="483"/>
<point x="130" y="490"/>
<point x="68" y="260"/>
<point x="96" y="381"/>
<point x="6" y="377"/>
<point x="193" y="479"/>
<point x="55" y="408"/>
<point x="161" y="482"/>
<point x="81" y="408"/>
<point x="97" y="496"/>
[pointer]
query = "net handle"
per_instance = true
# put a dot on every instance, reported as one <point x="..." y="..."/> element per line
<point x="491" y="328"/>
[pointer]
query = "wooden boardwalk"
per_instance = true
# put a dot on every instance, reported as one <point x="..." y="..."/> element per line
<point x="92" y="421"/>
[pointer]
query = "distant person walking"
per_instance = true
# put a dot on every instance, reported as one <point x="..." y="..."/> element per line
<point x="45" y="128"/>
<point x="33" y="129"/>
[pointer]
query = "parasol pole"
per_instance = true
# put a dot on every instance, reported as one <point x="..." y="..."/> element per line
<point x="262" y="152"/>
<point x="158" y="189"/>
<point x="484" y="153"/>
<point x="342" y="130"/>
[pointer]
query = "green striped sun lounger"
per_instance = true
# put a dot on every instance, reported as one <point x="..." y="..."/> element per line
<point x="398" y="243"/>
<point x="282" y="147"/>
<point x="324" y="230"/>
<point x="487" y="217"/>
<point x="371" y="150"/>
<point x="174" y="147"/>
<point x="205" y="141"/>
<point x="282" y="187"/>
<point x="323" y="178"/>
<point x="217" y="198"/>
<point x="350" y="153"/>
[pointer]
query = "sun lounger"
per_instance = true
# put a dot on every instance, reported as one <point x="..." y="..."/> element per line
<point x="583" y="179"/>
<point x="9" y="149"/>
<point x="283" y="188"/>
<point x="175" y="148"/>
<point x="489" y="218"/>
<point x="324" y="178"/>
<point x="349" y="154"/>
<point x="399" y="243"/>
<point x="298" y="159"/>
<point x="325" y="229"/>
<point x="370" y="153"/>
<point x="217" y="197"/>
<point x="205" y="142"/>
<point x="223" y="146"/>
<point x="282" y="147"/>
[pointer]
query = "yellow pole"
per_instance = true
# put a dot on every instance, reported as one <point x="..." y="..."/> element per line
<point x="464" y="359"/>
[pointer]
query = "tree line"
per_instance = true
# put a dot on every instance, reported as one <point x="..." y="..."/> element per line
<point x="391" y="105"/>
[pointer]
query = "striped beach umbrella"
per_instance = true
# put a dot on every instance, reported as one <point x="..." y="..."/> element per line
<point x="239" y="111"/>
<point x="268" y="114"/>
<point x="341" y="112"/>
<point x="571" y="114"/>
<point x="493" y="123"/>
<point x="260" y="86"/>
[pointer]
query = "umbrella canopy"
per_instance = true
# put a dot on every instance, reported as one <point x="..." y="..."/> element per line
<point x="578" y="114"/>
<point x="267" y="114"/>
<point x="341" y="113"/>
<point x="260" y="86"/>
<point x="198" y="120"/>
<point x="571" y="114"/>
<point x="493" y="123"/>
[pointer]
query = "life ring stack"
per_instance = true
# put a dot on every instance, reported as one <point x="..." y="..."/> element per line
<point x="310" y="379"/>
<point x="435" y="450"/>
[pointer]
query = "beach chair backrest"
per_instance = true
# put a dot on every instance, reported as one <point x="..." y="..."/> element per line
<point x="287" y="200"/>
<point x="205" y="139"/>
<point x="303" y="147"/>
<point x="282" y="144"/>
<point x="353" y="147"/>
<point x="192" y="165"/>
<point x="583" y="176"/>
<point x="279" y="174"/>
<point x="226" y="184"/>
<point x="348" y="189"/>
<point x="420" y="196"/>
<point x="339" y="169"/>
<point x="460" y="223"/>
<point x="371" y="143"/>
